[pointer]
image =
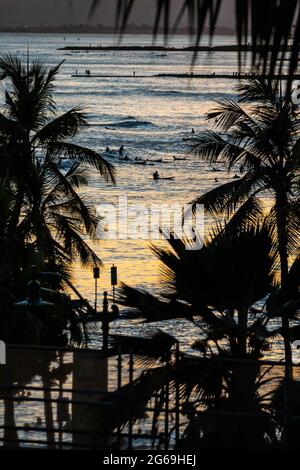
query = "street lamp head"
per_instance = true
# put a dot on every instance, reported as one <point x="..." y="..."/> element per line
<point x="33" y="296"/>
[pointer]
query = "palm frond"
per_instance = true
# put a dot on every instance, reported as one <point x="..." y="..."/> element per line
<point x="230" y="149"/>
<point x="227" y="197"/>
<point x="286" y="300"/>
<point x="70" y="237"/>
<point x="293" y="226"/>
<point x="64" y="187"/>
<point x="229" y="114"/>
<point x="157" y="345"/>
<point x="150" y="307"/>
<point x="258" y="90"/>
<point x="84" y="155"/>
<point x="62" y="127"/>
<point x="247" y="214"/>
<point x="7" y="126"/>
<point x="224" y="261"/>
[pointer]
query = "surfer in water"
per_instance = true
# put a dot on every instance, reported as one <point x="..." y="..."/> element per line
<point x="121" y="150"/>
<point x="156" y="175"/>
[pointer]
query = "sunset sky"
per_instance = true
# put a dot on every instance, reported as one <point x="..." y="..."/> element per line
<point x="57" y="12"/>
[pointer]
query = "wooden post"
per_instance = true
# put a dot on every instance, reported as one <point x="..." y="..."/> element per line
<point x="60" y="396"/>
<point x="114" y="281"/>
<point x="96" y="273"/>
<point x="177" y="398"/>
<point x="90" y="372"/>
<point x="119" y="436"/>
<point x="167" y="403"/>
<point x="105" y="322"/>
<point x="130" y="426"/>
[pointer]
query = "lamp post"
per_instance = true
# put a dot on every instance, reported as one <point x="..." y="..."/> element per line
<point x="34" y="299"/>
<point x="34" y="303"/>
<point x="105" y="322"/>
<point x="106" y="317"/>
<point x="96" y="272"/>
<point x="114" y="280"/>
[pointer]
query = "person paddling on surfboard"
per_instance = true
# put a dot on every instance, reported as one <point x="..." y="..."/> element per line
<point x="156" y="175"/>
<point x="121" y="150"/>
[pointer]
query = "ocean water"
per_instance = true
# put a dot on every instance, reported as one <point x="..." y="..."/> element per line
<point x="151" y="117"/>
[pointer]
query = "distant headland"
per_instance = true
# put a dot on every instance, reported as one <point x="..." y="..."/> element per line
<point x="156" y="48"/>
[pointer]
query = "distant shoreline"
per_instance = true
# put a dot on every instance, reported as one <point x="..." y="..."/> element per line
<point x="233" y="76"/>
<point x="212" y="49"/>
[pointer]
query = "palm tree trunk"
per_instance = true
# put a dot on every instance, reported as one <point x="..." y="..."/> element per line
<point x="243" y="323"/>
<point x="16" y="213"/>
<point x="10" y="433"/>
<point x="48" y="412"/>
<point x="281" y="216"/>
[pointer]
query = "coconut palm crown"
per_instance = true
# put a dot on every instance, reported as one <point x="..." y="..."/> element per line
<point x="46" y="210"/>
<point x="259" y="134"/>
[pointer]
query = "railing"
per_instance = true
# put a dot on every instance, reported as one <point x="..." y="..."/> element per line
<point x="94" y="394"/>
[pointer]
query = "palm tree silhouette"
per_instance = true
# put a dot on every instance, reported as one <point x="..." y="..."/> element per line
<point x="46" y="210"/>
<point x="221" y="289"/>
<point x="260" y="134"/>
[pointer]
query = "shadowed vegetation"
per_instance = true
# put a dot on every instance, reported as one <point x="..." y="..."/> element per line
<point x="259" y="134"/>
<point x="223" y="289"/>
<point x="230" y="289"/>
<point x="45" y="221"/>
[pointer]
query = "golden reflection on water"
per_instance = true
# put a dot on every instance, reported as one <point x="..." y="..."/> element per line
<point x="137" y="265"/>
<point x="141" y="269"/>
